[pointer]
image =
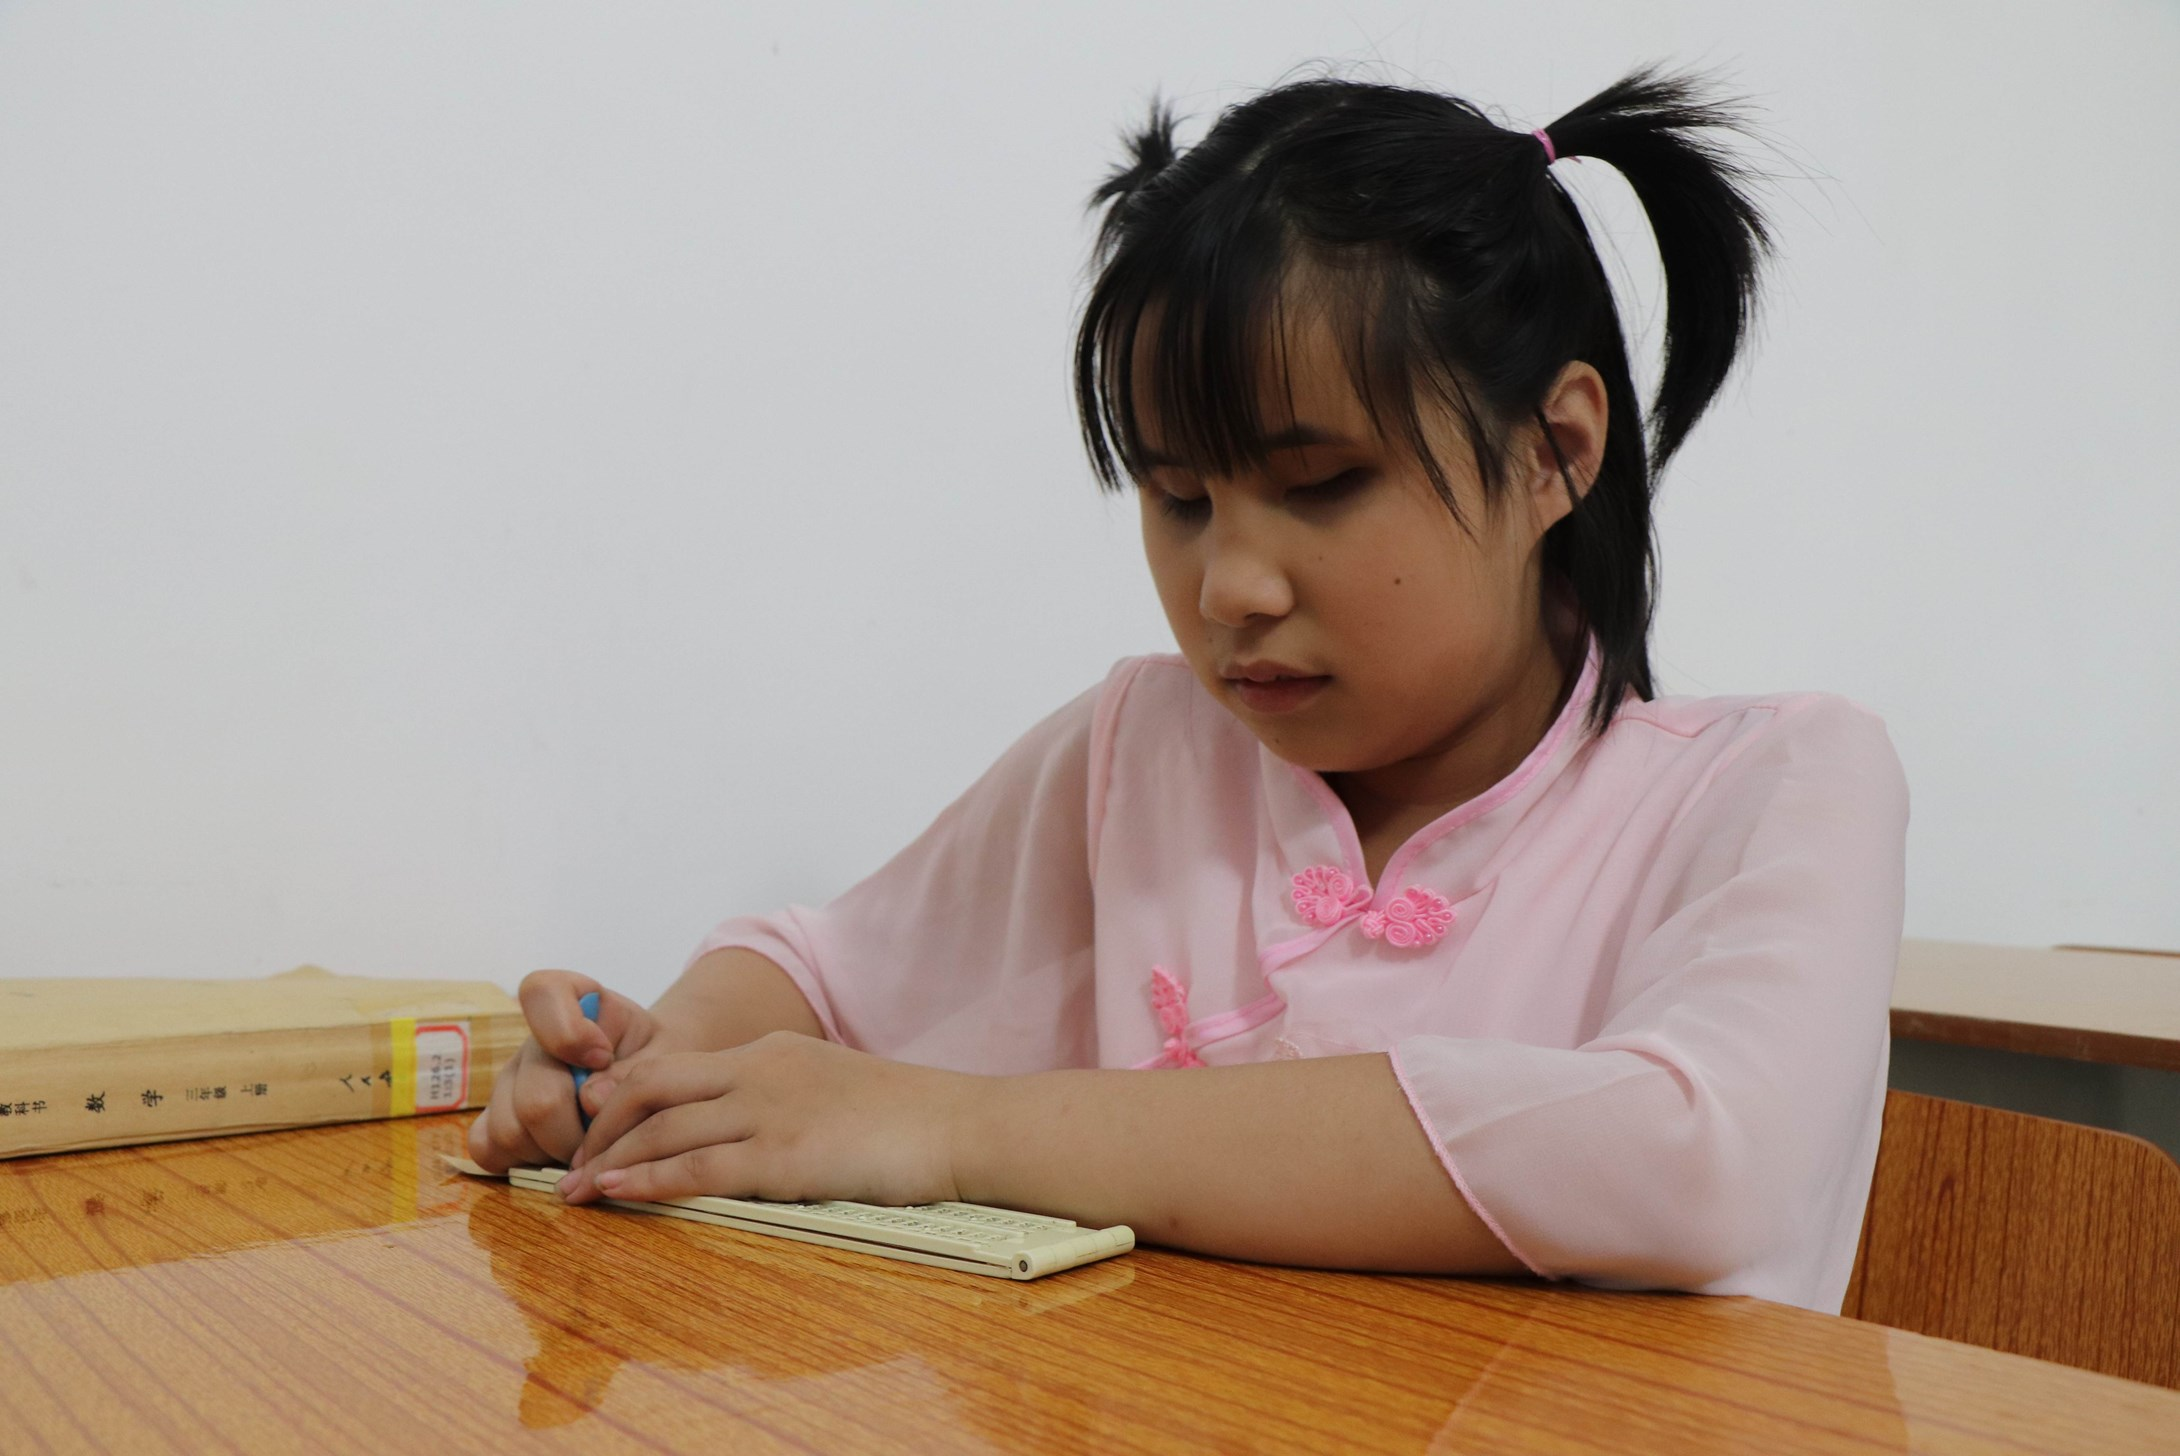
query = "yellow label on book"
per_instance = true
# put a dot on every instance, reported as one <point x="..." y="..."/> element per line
<point x="430" y="1065"/>
<point x="402" y="1038"/>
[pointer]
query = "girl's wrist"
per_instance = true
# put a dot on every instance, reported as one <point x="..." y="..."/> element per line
<point x="729" y="997"/>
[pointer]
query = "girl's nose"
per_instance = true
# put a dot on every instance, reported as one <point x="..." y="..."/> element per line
<point x="1241" y="580"/>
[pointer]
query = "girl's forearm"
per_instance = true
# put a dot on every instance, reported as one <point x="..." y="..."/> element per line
<point x="729" y="997"/>
<point x="1316" y="1162"/>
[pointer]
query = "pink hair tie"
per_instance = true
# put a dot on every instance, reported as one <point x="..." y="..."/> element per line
<point x="1551" y="153"/>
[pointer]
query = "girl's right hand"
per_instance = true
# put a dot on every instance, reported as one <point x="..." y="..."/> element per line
<point x="531" y="1118"/>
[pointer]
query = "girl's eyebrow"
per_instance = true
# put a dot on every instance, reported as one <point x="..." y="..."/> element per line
<point x="1292" y="438"/>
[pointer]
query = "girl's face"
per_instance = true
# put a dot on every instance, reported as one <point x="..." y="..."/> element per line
<point x="1331" y="602"/>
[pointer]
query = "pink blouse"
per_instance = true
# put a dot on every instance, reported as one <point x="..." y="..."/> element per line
<point x="1636" y="993"/>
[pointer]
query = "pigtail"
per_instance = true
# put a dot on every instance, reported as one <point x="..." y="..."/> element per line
<point x="1150" y="152"/>
<point x="1712" y="239"/>
<point x="1104" y="352"/>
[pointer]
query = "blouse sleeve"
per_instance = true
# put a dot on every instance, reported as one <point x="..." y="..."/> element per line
<point x="1718" y="1132"/>
<point x="970" y="949"/>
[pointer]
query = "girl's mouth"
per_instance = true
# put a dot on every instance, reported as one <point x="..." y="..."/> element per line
<point x="1280" y="694"/>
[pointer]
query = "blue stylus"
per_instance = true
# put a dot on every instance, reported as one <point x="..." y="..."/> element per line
<point x="589" y="1002"/>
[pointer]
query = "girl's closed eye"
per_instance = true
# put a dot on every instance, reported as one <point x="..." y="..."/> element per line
<point x="1180" y="507"/>
<point x="1326" y="492"/>
<point x="1321" y="493"/>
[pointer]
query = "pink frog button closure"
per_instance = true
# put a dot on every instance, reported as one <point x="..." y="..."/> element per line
<point x="1415" y="917"/>
<point x="1325" y="896"/>
<point x="1185" y="1039"/>
<point x="1170" y="999"/>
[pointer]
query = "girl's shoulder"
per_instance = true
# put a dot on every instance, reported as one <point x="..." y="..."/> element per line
<point x="1749" y="747"/>
<point x="1154" y="699"/>
<point x="1719" y="722"/>
<point x="1168" y="669"/>
<point x="1152" y="715"/>
<point x="1156" y="683"/>
<point x="1163" y="686"/>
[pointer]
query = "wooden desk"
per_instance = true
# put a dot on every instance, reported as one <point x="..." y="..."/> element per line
<point x="2120" y="1007"/>
<point x="332" y="1290"/>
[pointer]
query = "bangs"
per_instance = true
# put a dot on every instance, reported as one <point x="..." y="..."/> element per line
<point x="1203" y="335"/>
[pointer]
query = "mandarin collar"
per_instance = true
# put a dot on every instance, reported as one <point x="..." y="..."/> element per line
<point x="1310" y="825"/>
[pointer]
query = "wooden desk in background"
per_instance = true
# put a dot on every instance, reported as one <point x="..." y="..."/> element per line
<point x="332" y="1290"/>
<point x="2112" y="1006"/>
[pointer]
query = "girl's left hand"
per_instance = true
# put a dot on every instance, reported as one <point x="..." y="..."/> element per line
<point x="786" y="1117"/>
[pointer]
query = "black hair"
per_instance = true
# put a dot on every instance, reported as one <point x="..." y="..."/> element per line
<point x="1452" y="259"/>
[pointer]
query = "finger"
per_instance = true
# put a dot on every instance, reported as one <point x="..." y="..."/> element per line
<point x="546" y="1108"/>
<point x="496" y="1154"/>
<point x="598" y="1088"/>
<point x="497" y="1140"/>
<point x="721" y="1170"/>
<point x="597" y="1091"/>
<point x="665" y="1134"/>
<point x="551" y="1004"/>
<point x="626" y="1023"/>
<point x="651" y="1086"/>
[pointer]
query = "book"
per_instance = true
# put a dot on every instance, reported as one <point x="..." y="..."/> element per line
<point x="95" y="1063"/>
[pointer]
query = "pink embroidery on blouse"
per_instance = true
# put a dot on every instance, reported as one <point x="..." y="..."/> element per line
<point x="1417" y="917"/>
<point x="1286" y="1051"/>
<point x="1325" y="895"/>
<point x="1170" y="998"/>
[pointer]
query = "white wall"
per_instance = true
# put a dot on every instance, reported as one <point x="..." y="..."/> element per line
<point x="490" y="486"/>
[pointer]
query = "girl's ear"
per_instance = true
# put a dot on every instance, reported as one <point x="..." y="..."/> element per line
<point x="1575" y="411"/>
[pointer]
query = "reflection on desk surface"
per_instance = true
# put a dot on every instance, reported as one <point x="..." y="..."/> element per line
<point x="332" y="1289"/>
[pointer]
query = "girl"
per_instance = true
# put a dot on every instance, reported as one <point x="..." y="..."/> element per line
<point x="1491" y="959"/>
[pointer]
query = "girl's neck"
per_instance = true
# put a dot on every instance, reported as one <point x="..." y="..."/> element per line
<point x="1391" y="803"/>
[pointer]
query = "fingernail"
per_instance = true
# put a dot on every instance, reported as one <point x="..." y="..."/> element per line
<point x="610" y="1180"/>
